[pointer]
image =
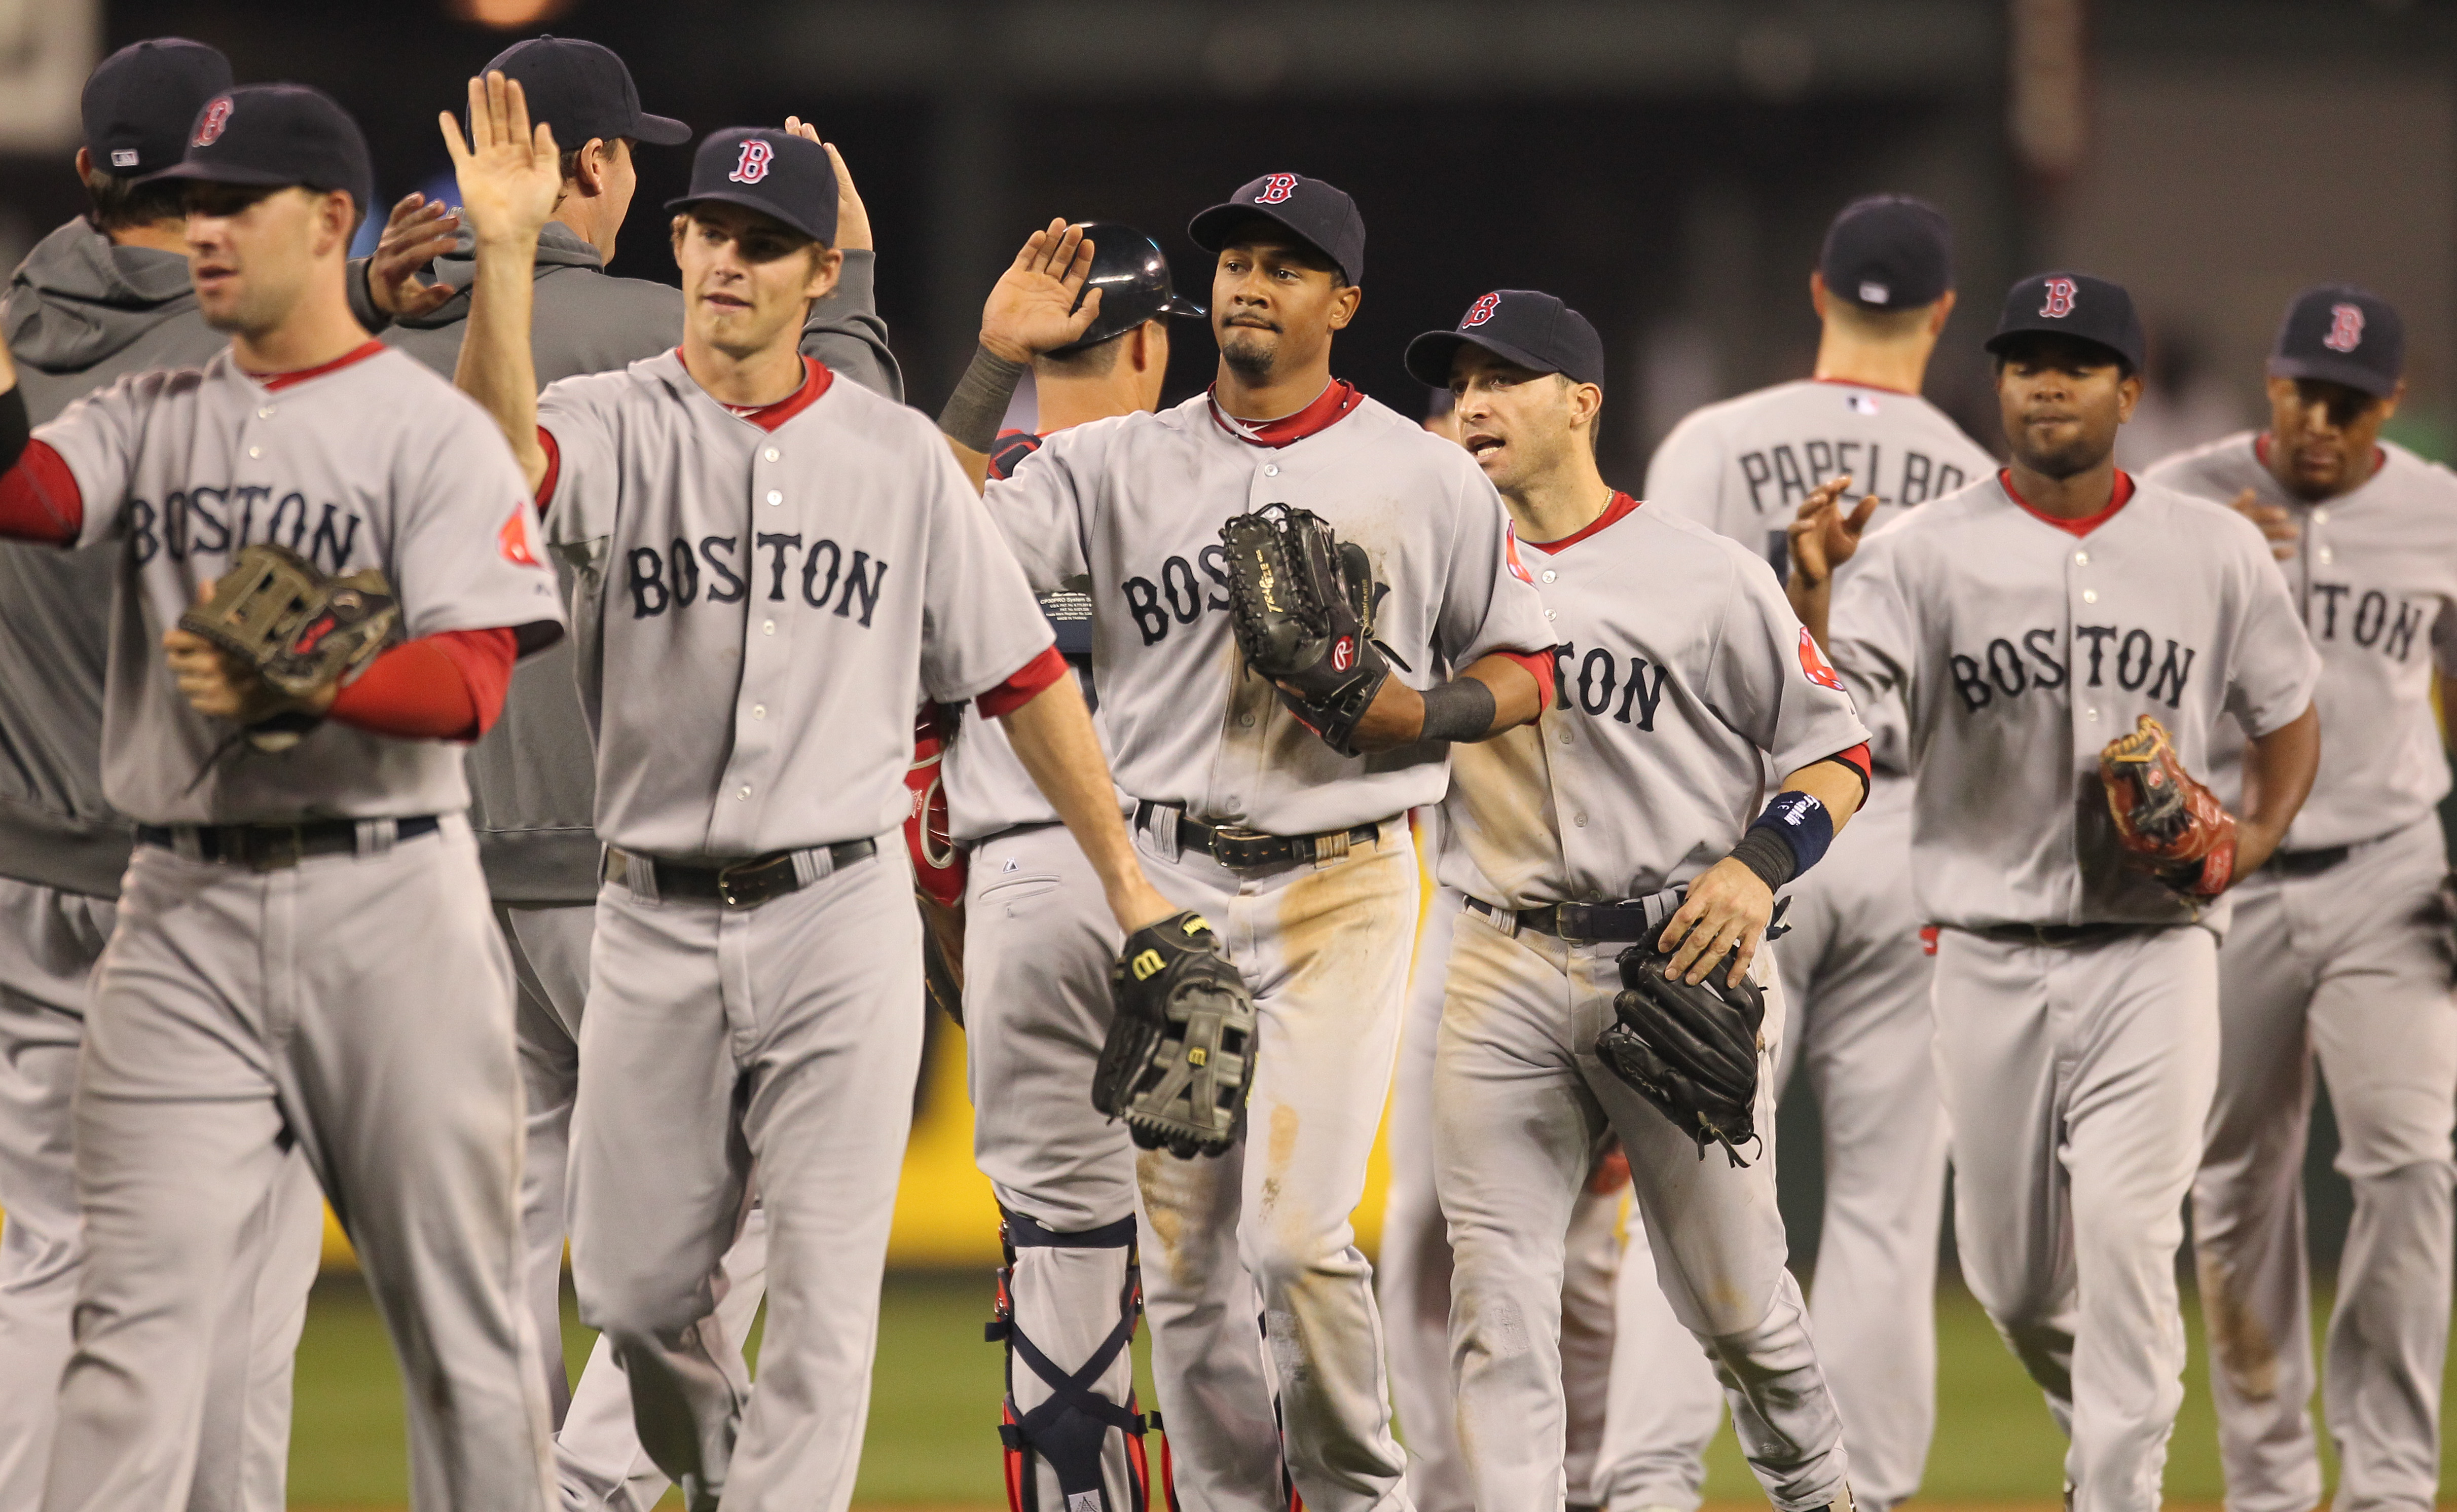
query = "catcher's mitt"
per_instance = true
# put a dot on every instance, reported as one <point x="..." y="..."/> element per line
<point x="1690" y="1050"/>
<point x="275" y="614"/>
<point x="2175" y="828"/>
<point x="1302" y="603"/>
<point x="1180" y="1054"/>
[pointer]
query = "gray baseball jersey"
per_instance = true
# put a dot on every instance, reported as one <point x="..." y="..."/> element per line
<point x="1673" y="703"/>
<point x="1744" y="467"/>
<point x="802" y="588"/>
<point x="1137" y="502"/>
<point x="369" y="461"/>
<point x="2021" y="648"/>
<point x="531" y="780"/>
<point x="79" y="313"/>
<point x="2376" y="575"/>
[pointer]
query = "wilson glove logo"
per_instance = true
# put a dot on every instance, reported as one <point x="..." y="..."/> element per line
<point x="1146" y="964"/>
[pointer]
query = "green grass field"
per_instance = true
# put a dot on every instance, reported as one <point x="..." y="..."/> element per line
<point x="936" y="1398"/>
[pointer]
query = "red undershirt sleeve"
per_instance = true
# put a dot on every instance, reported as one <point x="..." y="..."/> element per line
<point x="39" y="499"/>
<point x="1540" y="666"/>
<point x="553" y="469"/>
<point x="1858" y="761"/>
<point x="1023" y="687"/>
<point x="448" y="686"/>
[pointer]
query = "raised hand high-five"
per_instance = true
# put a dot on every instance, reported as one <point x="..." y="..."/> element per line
<point x="1031" y="309"/>
<point x="510" y="175"/>
<point x="853" y="217"/>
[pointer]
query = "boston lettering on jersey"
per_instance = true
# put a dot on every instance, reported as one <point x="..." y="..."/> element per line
<point x="1589" y="689"/>
<point x="821" y="575"/>
<point x="1178" y="596"/>
<point x="2109" y="655"/>
<point x="2371" y="619"/>
<point x="208" y="521"/>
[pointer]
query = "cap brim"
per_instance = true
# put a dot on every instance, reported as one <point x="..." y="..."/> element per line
<point x="2332" y="370"/>
<point x="1430" y="357"/>
<point x="747" y="202"/>
<point x="659" y="130"/>
<point x="2003" y="339"/>
<point x="1211" y="229"/>
<point x="223" y="174"/>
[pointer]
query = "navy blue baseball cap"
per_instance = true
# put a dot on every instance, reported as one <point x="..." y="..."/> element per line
<point x="2342" y="334"/>
<point x="140" y="102"/>
<point x="277" y="135"/>
<point x="1534" y="330"/>
<point x="769" y="170"/>
<point x="2072" y="305"/>
<point x="582" y="90"/>
<point x="1324" y="218"/>
<point x="1888" y="251"/>
<point x="1132" y="272"/>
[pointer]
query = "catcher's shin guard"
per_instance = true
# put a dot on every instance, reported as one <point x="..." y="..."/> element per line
<point x="1074" y="1428"/>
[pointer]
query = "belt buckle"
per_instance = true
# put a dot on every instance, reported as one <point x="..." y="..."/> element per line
<point x="273" y="847"/>
<point x="737" y="889"/>
<point x="1237" y="847"/>
<point x="1570" y="925"/>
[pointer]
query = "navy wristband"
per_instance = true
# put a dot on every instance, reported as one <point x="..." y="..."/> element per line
<point x="1799" y="823"/>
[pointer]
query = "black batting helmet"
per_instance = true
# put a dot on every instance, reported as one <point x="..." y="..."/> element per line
<point x="1132" y="274"/>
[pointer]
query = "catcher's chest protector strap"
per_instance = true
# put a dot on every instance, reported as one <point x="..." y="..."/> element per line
<point x="1068" y="1429"/>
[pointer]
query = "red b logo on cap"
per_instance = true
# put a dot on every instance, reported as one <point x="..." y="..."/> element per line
<point x="753" y="165"/>
<point x="209" y="125"/>
<point x="1481" y="311"/>
<point x="1277" y="189"/>
<point x="2060" y="298"/>
<point x="2345" y="328"/>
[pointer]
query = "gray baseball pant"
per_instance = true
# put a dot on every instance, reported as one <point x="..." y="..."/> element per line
<point x="357" y="1007"/>
<point x="598" y="1462"/>
<point x="1411" y="1272"/>
<point x="1326" y="950"/>
<point x="2350" y="967"/>
<point x="1856" y="977"/>
<point x="2076" y="1081"/>
<point x="1523" y="1100"/>
<point x="785" y="1036"/>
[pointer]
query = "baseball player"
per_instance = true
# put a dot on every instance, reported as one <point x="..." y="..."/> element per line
<point x="106" y="294"/>
<point x="772" y="568"/>
<point x="1413" y="1270"/>
<point x="532" y="777"/>
<point x="1855" y="973"/>
<point x="2027" y="623"/>
<point x="1296" y="852"/>
<point x="2340" y="949"/>
<point x="1037" y="948"/>
<point x="1622" y="816"/>
<point x="252" y="997"/>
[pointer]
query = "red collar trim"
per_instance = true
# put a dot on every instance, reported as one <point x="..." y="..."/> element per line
<point x="1332" y="404"/>
<point x="2122" y="495"/>
<point x="1621" y="507"/>
<point x="816" y="380"/>
<point x="277" y="382"/>
<point x="1853" y="382"/>
<point x="2260" y="454"/>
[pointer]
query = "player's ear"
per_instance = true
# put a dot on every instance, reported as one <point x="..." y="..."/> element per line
<point x="1344" y="301"/>
<point x="1817" y="292"/>
<point x="2388" y="405"/>
<point x="2128" y="394"/>
<point x="827" y="265"/>
<point x="1939" y="313"/>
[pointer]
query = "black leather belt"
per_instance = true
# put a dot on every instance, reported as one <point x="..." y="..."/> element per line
<point x="2062" y="935"/>
<point x="1241" y="849"/>
<point x="272" y="847"/>
<point x="1634" y="920"/>
<point x="2306" y="864"/>
<point x="746" y="883"/>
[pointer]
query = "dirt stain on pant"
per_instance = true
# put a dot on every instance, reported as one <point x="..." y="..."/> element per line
<point x="2237" y="1338"/>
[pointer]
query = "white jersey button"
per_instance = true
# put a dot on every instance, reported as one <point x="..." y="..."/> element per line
<point x="1580" y="820"/>
<point x="265" y="414"/>
<point x="2327" y="556"/>
<point x="758" y="710"/>
<point x="2090" y="596"/>
<point x="743" y="792"/>
<point x="767" y="627"/>
<point x="255" y="451"/>
<point x="1247" y="721"/>
<point x="1548" y="613"/>
<point x="2081" y="559"/>
<point x="2320" y="517"/>
<point x="1550" y="575"/>
<point x="1271" y="470"/>
<point x="2094" y="714"/>
<point x="771" y="454"/>
<point x="775" y="497"/>
<point x="1565" y="735"/>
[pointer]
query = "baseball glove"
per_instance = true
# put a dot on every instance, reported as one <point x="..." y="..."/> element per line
<point x="2174" y="828"/>
<point x="1302" y="603"/>
<point x="1180" y="1054"/>
<point x="1690" y="1050"/>
<point x="276" y="615"/>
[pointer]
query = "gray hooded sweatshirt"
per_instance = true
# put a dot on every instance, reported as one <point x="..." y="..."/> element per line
<point x="79" y="313"/>
<point x="533" y="780"/>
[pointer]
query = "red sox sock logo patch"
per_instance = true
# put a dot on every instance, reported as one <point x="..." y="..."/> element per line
<point x="1812" y="663"/>
<point x="2345" y="328"/>
<point x="2060" y="300"/>
<point x="1481" y="311"/>
<point x="1277" y="189"/>
<point x="1510" y="554"/>
<point x="753" y="165"/>
<point x="209" y="125"/>
<point x="514" y="539"/>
